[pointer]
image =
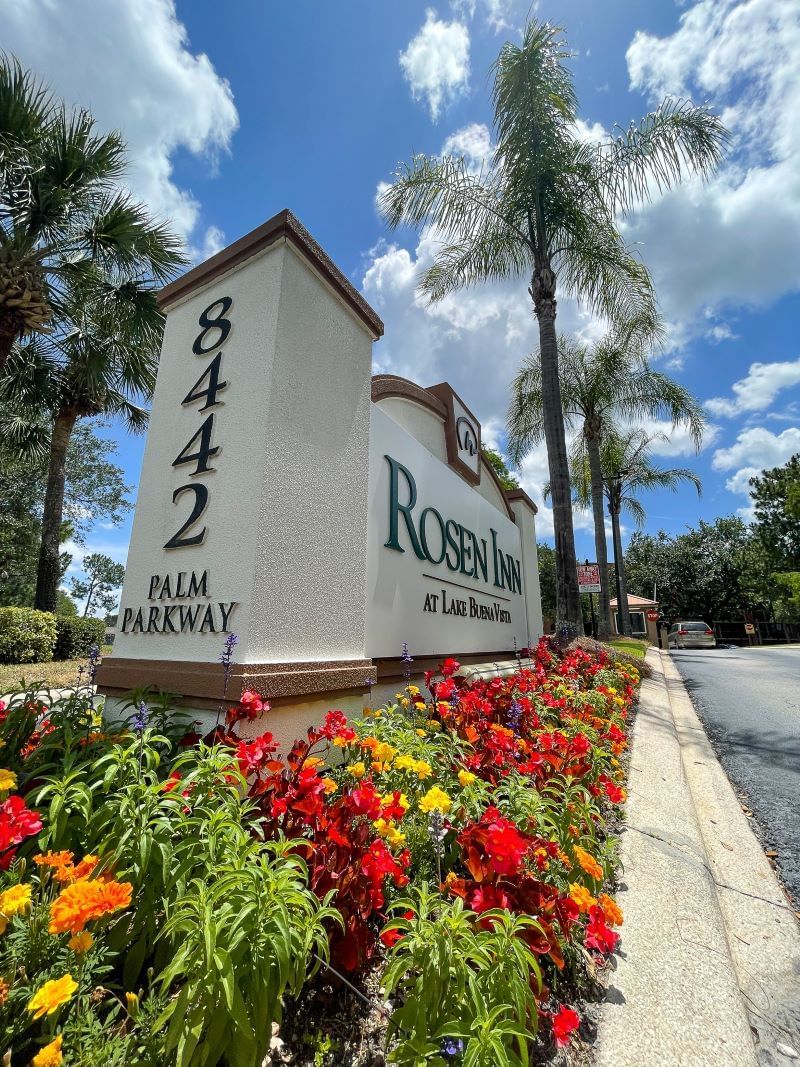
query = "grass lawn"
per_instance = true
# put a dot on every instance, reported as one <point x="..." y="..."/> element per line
<point x="59" y="674"/>
<point x="636" y="648"/>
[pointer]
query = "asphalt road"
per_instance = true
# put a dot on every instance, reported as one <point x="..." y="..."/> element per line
<point x="749" y="702"/>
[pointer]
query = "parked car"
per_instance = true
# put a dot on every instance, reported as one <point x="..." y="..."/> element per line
<point x="691" y="635"/>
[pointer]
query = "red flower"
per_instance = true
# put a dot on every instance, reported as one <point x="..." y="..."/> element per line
<point x="446" y="690"/>
<point x="580" y="744"/>
<point x="565" y="1022"/>
<point x="449" y="666"/>
<point x="250" y="707"/>
<point x="393" y="809"/>
<point x="172" y="782"/>
<point x="17" y="822"/>
<point x="336" y="726"/>
<point x="614" y="792"/>
<point x="366" y="801"/>
<point x="598" y="935"/>
<point x="253" y="756"/>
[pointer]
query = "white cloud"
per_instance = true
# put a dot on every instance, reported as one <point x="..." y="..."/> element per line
<point x="496" y="12"/>
<point x="473" y="143"/>
<point x="759" y="448"/>
<point x="678" y="439"/>
<point x="136" y="72"/>
<point x="436" y="62"/>
<point x="758" y="389"/>
<point x="733" y="240"/>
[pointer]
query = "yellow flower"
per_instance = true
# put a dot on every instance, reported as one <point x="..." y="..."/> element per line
<point x="384" y="752"/>
<point x="588" y="862"/>
<point x="466" y="777"/>
<point x="358" y="770"/>
<point x="81" y="942"/>
<point x="4" y="988"/>
<point x="435" y="800"/>
<point x="339" y="742"/>
<point x="330" y="785"/>
<point x="582" y="897"/>
<point x="413" y="690"/>
<point x="15" y="900"/>
<point x="312" y="762"/>
<point x="419" y="705"/>
<point x="419" y="732"/>
<point x="405" y="763"/>
<point x="50" y="1055"/>
<point x="386" y="828"/>
<point x="422" y="769"/>
<point x="8" y="780"/>
<point x="402" y="800"/>
<point x="132" y="1000"/>
<point x="52" y="995"/>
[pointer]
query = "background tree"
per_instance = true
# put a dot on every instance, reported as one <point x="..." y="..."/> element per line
<point x="94" y="491"/>
<point x="628" y="469"/>
<point x="599" y="383"/>
<point x="715" y="571"/>
<point x="99" y="589"/>
<point x="776" y="502"/>
<point x="506" y="478"/>
<point x="547" y="579"/>
<point x="544" y="208"/>
<point x="63" y="218"/>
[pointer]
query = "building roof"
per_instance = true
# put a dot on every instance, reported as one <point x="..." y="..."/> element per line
<point x="636" y="602"/>
<point x="283" y="226"/>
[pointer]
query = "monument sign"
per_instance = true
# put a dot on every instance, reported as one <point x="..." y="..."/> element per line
<point x="322" y="515"/>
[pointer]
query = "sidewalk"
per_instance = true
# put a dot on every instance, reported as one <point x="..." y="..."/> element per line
<point x="710" y="957"/>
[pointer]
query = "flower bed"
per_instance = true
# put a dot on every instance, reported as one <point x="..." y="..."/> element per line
<point x="162" y="896"/>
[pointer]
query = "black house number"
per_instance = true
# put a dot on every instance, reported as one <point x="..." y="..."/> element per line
<point x="199" y="450"/>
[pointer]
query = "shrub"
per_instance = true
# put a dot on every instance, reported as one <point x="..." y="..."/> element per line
<point x="26" y="635"/>
<point x="76" y="636"/>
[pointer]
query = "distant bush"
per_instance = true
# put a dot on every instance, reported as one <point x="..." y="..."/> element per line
<point x="26" y="635"/>
<point x="76" y="636"/>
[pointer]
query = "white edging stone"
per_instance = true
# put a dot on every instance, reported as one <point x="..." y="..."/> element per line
<point x="674" y="999"/>
<point x="763" y="933"/>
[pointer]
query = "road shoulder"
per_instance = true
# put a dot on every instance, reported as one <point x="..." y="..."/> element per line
<point x="677" y="995"/>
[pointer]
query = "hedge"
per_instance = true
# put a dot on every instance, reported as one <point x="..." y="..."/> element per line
<point x="26" y="635"/>
<point x="76" y="636"/>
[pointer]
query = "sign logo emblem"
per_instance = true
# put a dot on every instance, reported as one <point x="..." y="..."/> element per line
<point x="466" y="436"/>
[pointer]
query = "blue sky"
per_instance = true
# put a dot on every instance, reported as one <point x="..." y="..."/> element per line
<point x="234" y="113"/>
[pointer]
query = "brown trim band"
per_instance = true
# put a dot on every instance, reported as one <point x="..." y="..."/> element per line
<point x="193" y="680"/>
<point x="389" y="385"/>
<point x="285" y="226"/>
<point x="520" y="494"/>
<point x="389" y="669"/>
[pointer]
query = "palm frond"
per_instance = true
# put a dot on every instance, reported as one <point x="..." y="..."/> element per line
<point x="678" y="139"/>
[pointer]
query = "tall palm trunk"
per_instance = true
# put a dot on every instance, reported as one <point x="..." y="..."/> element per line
<point x="49" y="572"/>
<point x="568" y="597"/>
<point x="619" y="566"/>
<point x="9" y="331"/>
<point x="592" y="438"/>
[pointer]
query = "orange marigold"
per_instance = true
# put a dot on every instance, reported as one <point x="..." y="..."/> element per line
<point x="611" y="910"/>
<point x="83" y="901"/>
<point x="588" y="862"/>
<point x="69" y="873"/>
<point x="4" y="988"/>
<point x="582" y="897"/>
<point x="54" y="859"/>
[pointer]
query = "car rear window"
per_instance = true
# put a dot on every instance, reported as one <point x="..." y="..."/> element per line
<point x="694" y="626"/>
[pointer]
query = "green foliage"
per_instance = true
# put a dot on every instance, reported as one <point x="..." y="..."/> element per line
<point x="462" y="980"/>
<point x="500" y="467"/>
<point x="76" y="636"/>
<point x="103" y="578"/>
<point x="776" y="502"/>
<point x="66" y="605"/>
<point x="716" y="570"/>
<point x="26" y="635"/>
<point x="547" y="578"/>
<point x="94" y="490"/>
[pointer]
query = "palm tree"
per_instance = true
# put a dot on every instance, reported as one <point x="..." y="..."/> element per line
<point x="544" y="208"/>
<point x="608" y="380"/>
<point x="100" y="359"/>
<point x="63" y="218"/>
<point x="628" y="469"/>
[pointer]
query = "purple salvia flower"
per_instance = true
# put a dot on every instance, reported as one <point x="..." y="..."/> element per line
<point x="514" y="716"/>
<point x="452" y="1046"/>
<point x="406" y="659"/>
<point x="139" y="720"/>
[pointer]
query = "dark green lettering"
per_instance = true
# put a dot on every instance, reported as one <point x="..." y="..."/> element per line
<point x="396" y="508"/>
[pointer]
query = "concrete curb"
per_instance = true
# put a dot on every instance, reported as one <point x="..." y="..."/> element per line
<point x="762" y="931"/>
<point x="674" y="998"/>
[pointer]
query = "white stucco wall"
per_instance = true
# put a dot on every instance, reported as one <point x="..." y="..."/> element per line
<point x="422" y="423"/>
<point x="287" y="498"/>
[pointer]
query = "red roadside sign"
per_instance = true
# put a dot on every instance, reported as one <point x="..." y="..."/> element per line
<point x="588" y="578"/>
<point x="652" y="616"/>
